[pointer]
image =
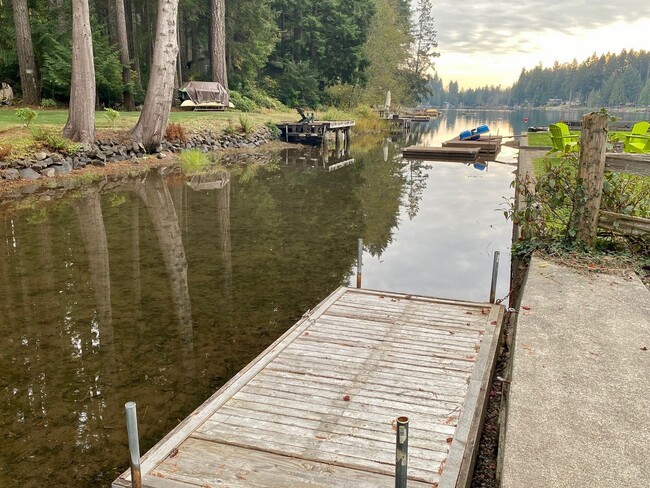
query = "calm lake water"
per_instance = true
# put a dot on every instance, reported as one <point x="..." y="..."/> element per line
<point x="160" y="289"/>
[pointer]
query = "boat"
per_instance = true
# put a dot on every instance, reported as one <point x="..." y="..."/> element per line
<point x="474" y="134"/>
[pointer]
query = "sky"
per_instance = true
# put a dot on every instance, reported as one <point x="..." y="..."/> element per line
<point x="489" y="42"/>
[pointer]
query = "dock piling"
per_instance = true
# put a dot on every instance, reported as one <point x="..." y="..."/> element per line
<point x="401" y="452"/>
<point x="134" y="443"/>
<point x="359" y="263"/>
<point x="495" y="274"/>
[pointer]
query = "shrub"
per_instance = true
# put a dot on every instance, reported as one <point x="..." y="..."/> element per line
<point x="241" y="102"/>
<point x="230" y="128"/>
<point x="175" y="133"/>
<point x="55" y="142"/>
<point x="48" y="103"/>
<point x="275" y="131"/>
<point x="111" y="115"/>
<point x="5" y="151"/>
<point x="246" y="124"/>
<point x="26" y="115"/>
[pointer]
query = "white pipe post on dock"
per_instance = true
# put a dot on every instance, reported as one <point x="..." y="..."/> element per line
<point x="134" y="443"/>
<point x="495" y="275"/>
<point x="401" y="452"/>
<point x="359" y="263"/>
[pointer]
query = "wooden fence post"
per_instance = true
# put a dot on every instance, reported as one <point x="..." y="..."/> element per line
<point x="593" y="144"/>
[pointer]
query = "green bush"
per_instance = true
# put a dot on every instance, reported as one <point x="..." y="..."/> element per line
<point x="55" y="142"/>
<point x="111" y="115"/>
<point x="245" y="123"/>
<point x="26" y="115"/>
<point x="48" y="103"/>
<point x="241" y="102"/>
<point x="230" y="129"/>
<point x="275" y="131"/>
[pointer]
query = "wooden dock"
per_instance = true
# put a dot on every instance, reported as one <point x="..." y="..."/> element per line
<point x="316" y="132"/>
<point x="455" y="154"/>
<point x="489" y="146"/>
<point x="318" y="407"/>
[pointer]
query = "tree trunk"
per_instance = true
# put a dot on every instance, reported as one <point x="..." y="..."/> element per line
<point x="123" y="43"/>
<point x="155" y="195"/>
<point x="135" y="44"/>
<point x="81" y="116"/>
<point x="25" y="48"/>
<point x="218" y="38"/>
<point x="151" y="125"/>
<point x="593" y="142"/>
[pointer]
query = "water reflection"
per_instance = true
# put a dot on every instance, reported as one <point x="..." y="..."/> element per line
<point x="160" y="289"/>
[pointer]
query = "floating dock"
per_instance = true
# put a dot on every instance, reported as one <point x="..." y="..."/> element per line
<point x="319" y="406"/>
<point x="460" y="154"/>
<point x="489" y="146"/>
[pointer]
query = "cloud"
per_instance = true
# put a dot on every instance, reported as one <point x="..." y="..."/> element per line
<point x="488" y="43"/>
<point x="504" y="26"/>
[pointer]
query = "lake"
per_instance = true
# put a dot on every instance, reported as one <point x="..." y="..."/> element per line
<point x="159" y="288"/>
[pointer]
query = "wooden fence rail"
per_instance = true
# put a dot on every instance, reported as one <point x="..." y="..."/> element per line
<point x="634" y="164"/>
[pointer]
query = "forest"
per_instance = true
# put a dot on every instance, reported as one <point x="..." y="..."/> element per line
<point x="299" y="53"/>
<point x="608" y="80"/>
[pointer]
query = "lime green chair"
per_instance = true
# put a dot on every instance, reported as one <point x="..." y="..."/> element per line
<point x="562" y="139"/>
<point x="638" y="141"/>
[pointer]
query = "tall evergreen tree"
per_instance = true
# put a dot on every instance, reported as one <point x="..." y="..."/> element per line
<point x="26" y="61"/>
<point x="423" y="48"/>
<point x="80" y="125"/>
<point x="218" y="42"/>
<point x="150" y="129"/>
<point x="123" y="42"/>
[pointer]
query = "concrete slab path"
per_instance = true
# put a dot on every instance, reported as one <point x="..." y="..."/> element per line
<point x="579" y="405"/>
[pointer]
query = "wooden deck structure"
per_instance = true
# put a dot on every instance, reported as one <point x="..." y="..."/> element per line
<point x="460" y="154"/>
<point x="318" y="407"/>
<point x="489" y="146"/>
<point x="316" y="132"/>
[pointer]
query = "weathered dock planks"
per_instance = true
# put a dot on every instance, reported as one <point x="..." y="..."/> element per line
<point x="318" y="407"/>
<point x="462" y="154"/>
<point x="488" y="145"/>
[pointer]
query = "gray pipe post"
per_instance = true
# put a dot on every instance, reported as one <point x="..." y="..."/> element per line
<point x="401" y="452"/>
<point x="495" y="274"/>
<point x="359" y="264"/>
<point x="134" y="443"/>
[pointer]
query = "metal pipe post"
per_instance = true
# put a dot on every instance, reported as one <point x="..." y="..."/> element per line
<point x="401" y="452"/>
<point x="134" y="443"/>
<point x="359" y="264"/>
<point x="495" y="274"/>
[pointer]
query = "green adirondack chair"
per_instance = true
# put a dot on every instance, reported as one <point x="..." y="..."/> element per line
<point x="562" y="139"/>
<point x="638" y="141"/>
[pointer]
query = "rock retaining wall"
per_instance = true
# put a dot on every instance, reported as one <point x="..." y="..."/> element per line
<point x="48" y="164"/>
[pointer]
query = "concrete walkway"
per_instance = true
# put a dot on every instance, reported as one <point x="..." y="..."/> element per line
<point x="579" y="405"/>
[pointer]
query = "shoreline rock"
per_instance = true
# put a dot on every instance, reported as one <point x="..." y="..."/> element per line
<point x="46" y="164"/>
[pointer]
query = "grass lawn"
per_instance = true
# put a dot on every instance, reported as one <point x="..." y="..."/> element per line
<point x="544" y="138"/>
<point x="17" y="138"/>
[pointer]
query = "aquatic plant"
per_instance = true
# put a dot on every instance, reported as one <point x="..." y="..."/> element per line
<point x="193" y="160"/>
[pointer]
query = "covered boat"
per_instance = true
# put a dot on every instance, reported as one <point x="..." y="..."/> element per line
<point x="204" y="95"/>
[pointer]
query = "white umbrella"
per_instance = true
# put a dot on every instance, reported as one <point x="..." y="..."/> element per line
<point x="387" y="99"/>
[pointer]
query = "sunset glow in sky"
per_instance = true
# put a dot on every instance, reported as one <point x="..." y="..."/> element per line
<point x="489" y="43"/>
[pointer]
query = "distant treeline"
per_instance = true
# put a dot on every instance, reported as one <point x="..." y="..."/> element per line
<point x="610" y="80"/>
